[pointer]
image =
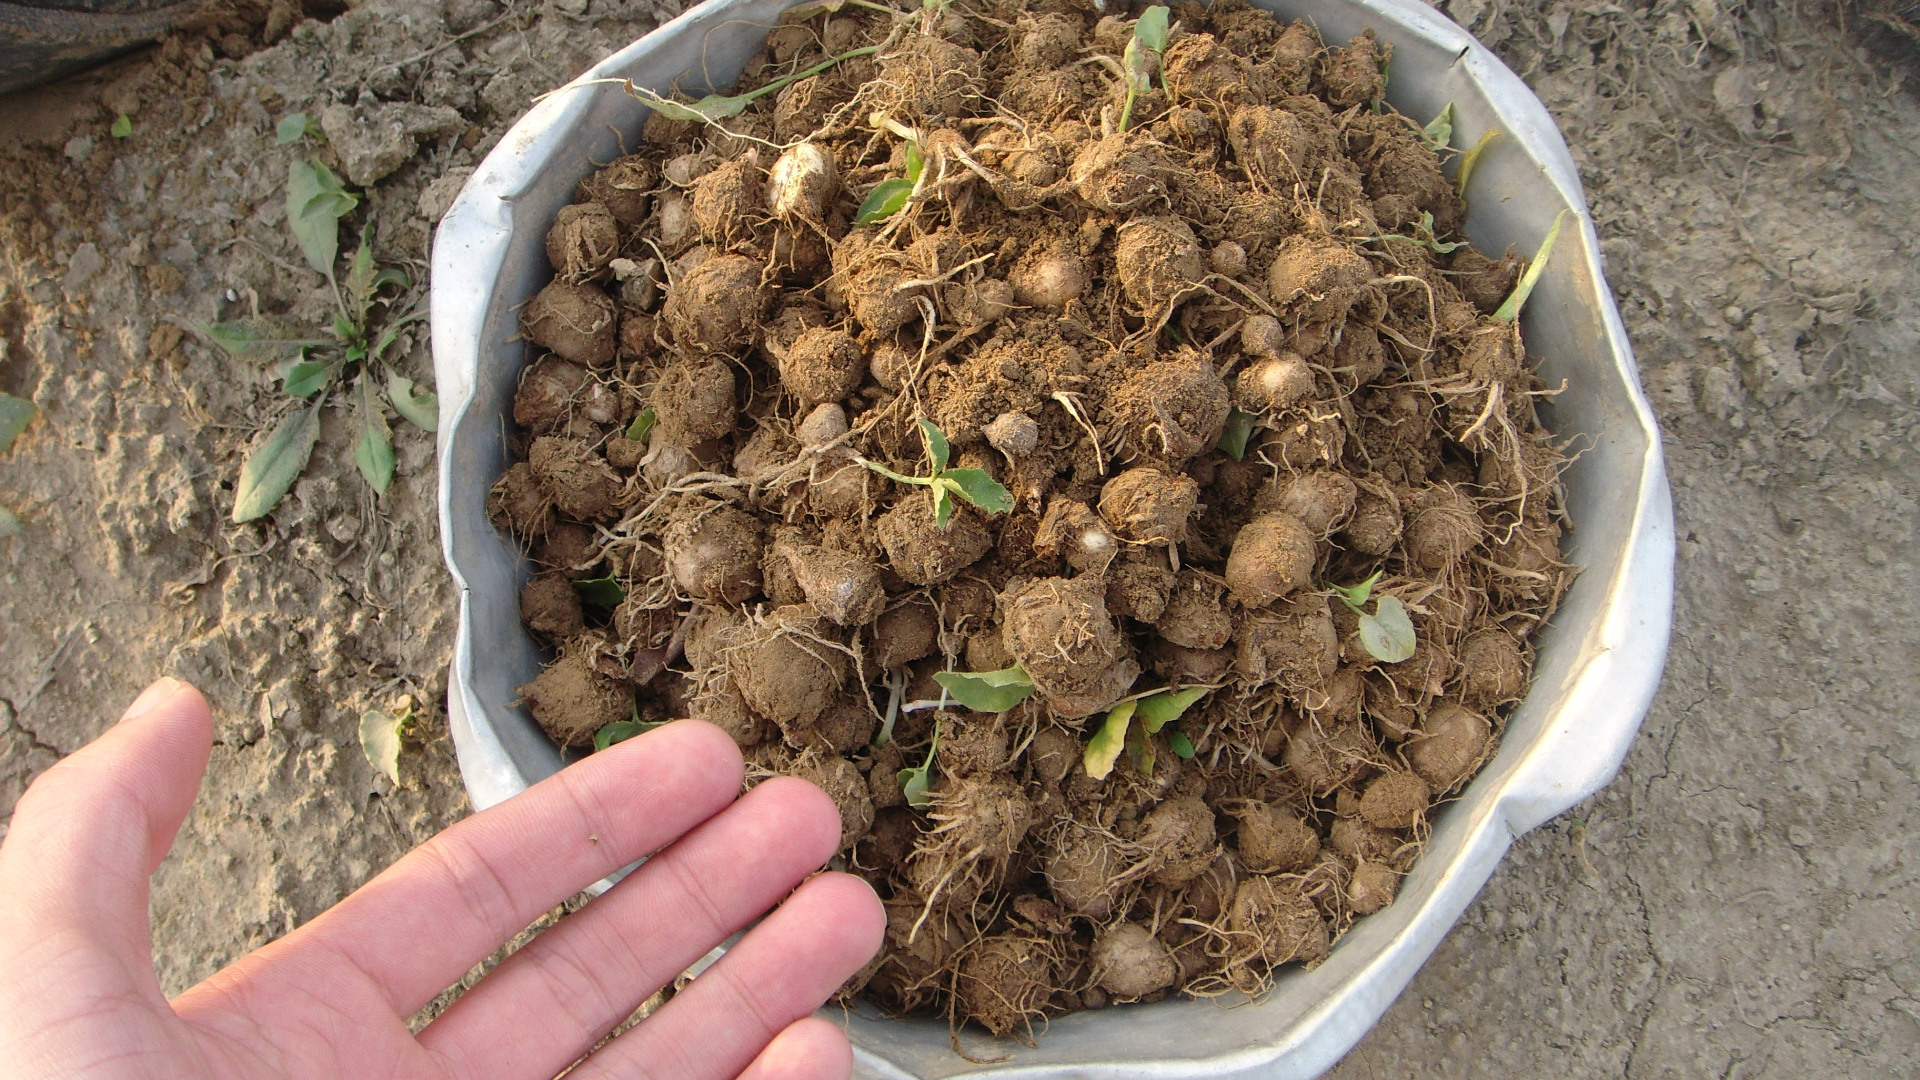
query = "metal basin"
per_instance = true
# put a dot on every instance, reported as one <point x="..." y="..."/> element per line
<point x="1599" y="660"/>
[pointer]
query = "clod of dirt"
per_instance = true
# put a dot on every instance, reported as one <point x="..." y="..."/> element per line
<point x="716" y="305"/>
<point x="624" y="187"/>
<point x="845" y="786"/>
<point x="1449" y="746"/>
<point x="1355" y="75"/>
<point x="822" y="365"/>
<point x="518" y="503"/>
<point x="1322" y="499"/>
<point x="1059" y="631"/>
<point x="1394" y="800"/>
<point x="583" y="240"/>
<point x="1179" y="833"/>
<point x="842" y="586"/>
<point x="1050" y="277"/>
<point x="726" y="200"/>
<point x="923" y="553"/>
<point x="789" y="667"/>
<point x="1149" y="505"/>
<point x="1138" y="587"/>
<point x="572" y="698"/>
<point x="550" y="605"/>
<point x="580" y="482"/>
<point x="1130" y="963"/>
<point x="1172" y="410"/>
<point x="1002" y="983"/>
<point x="1274" y="921"/>
<point x="903" y="633"/>
<point x="1274" y="840"/>
<point x="553" y="391"/>
<point x="715" y="555"/>
<point x="1196" y="615"/>
<point x="573" y="320"/>
<point x="693" y="402"/>
<point x="1013" y="434"/>
<point x="1442" y="526"/>
<point x="1272" y="556"/>
<point x="1372" y="887"/>
<point x="1296" y="647"/>
<point x="1493" y="670"/>
<point x="1117" y="174"/>
<point x="1376" y="525"/>
<point x="1081" y="868"/>
<point x="1318" y="277"/>
<point x="1157" y="258"/>
<point x="1071" y="530"/>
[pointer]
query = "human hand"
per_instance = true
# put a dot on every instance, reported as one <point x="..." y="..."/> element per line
<point x="79" y="999"/>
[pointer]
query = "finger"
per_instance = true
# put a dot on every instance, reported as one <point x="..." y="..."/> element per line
<point x="579" y="980"/>
<point x="809" y="1049"/>
<point x="419" y="926"/>
<point x="87" y="836"/>
<point x="782" y="970"/>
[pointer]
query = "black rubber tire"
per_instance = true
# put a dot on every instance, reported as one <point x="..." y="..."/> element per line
<point x="46" y="40"/>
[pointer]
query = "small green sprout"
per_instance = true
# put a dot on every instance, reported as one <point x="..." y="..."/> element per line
<point x="1156" y="709"/>
<point x="975" y="486"/>
<point x="1149" y="37"/>
<point x="293" y="127"/>
<point x="1233" y="437"/>
<point x="1387" y="633"/>
<point x="605" y="592"/>
<point x="15" y="414"/>
<point x="914" y="782"/>
<point x="987" y="691"/>
<point x="1439" y="133"/>
<point x="1423" y="235"/>
<point x="1181" y="745"/>
<point x="381" y="732"/>
<point x="1470" y="160"/>
<point x="642" y="425"/>
<point x="1509" y="312"/>
<point x="889" y="196"/>
<point x="622" y="730"/>
<point x="122" y="126"/>
<point x="717" y="107"/>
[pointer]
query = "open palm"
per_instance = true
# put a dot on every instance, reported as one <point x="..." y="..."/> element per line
<point x="79" y="999"/>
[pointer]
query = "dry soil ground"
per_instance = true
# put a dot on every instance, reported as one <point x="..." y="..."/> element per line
<point x="1741" y="902"/>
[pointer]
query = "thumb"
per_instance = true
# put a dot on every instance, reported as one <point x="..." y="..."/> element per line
<point x="88" y="834"/>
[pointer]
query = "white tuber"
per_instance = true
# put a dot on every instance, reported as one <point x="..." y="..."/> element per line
<point x="1261" y="335"/>
<point x="1013" y="434"/>
<point x="802" y="182"/>
<point x="827" y="422"/>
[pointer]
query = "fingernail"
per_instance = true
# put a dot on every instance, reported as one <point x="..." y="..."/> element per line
<point x="163" y="690"/>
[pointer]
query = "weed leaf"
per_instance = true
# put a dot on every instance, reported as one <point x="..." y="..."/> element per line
<point x="603" y="592"/>
<point x="915" y="162"/>
<point x="1440" y="132"/>
<point x="1470" y="160"/>
<point x="987" y="691"/>
<point x="380" y="741"/>
<point x="936" y="442"/>
<point x="1388" y="632"/>
<point x="642" y="425"/>
<point x="1105" y="746"/>
<point x="246" y="337"/>
<point x="419" y="408"/>
<point x="621" y="731"/>
<point x="1233" y="437"/>
<point x="9" y="524"/>
<point x="374" y="451"/>
<point x="1151" y="28"/>
<point x="1510" y="311"/>
<point x="275" y="464"/>
<point x="914" y="782"/>
<point x="885" y="200"/>
<point x="122" y="126"/>
<point x="15" y="413"/>
<point x="1158" y="710"/>
<point x="1181" y="746"/>
<point x="1355" y="596"/>
<point x="942" y="502"/>
<point x="292" y="128"/>
<point x="978" y="487"/>
<point x="305" y="378"/>
<point x="315" y="204"/>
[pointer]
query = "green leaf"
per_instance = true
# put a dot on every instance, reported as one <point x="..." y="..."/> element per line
<point x="605" y="592"/>
<point x="1440" y="132"/>
<point x="1355" y="596"/>
<point x="1181" y="746"/>
<point x="642" y="425"/>
<point x="1105" y="746"/>
<point x="936" y="444"/>
<point x="274" y="465"/>
<point x="421" y="409"/>
<point x="315" y="204"/>
<point x="305" y="378"/>
<point x="380" y="741"/>
<point x="393" y="276"/>
<point x="1158" y="710"/>
<point x="978" y="487"/>
<point x="373" y="453"/>
<point x="1151" y="28"/>
<point x="916" y="164"/>
<point x="885" y="200"/>
<point x="292" y="128"/>
<point x="1233" y="437"/>
<point x="987" y="691"/>
<point x="245" y="337"/>
<point x="1470" y="160"/>
<point x="9" y="524"/>
<point x="15" y="414"/>
<point x="942" y="504"/>
<point x="360" y="270"/>
<point x="621" y="731"/>
<point x="1510" y="311"/>
<point x="122" y="126"/>
<point x="1388" y="633"/>
<point x="915" y="782"/>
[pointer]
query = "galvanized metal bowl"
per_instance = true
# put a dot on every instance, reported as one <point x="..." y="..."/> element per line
<point x="1599" y="659"/>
